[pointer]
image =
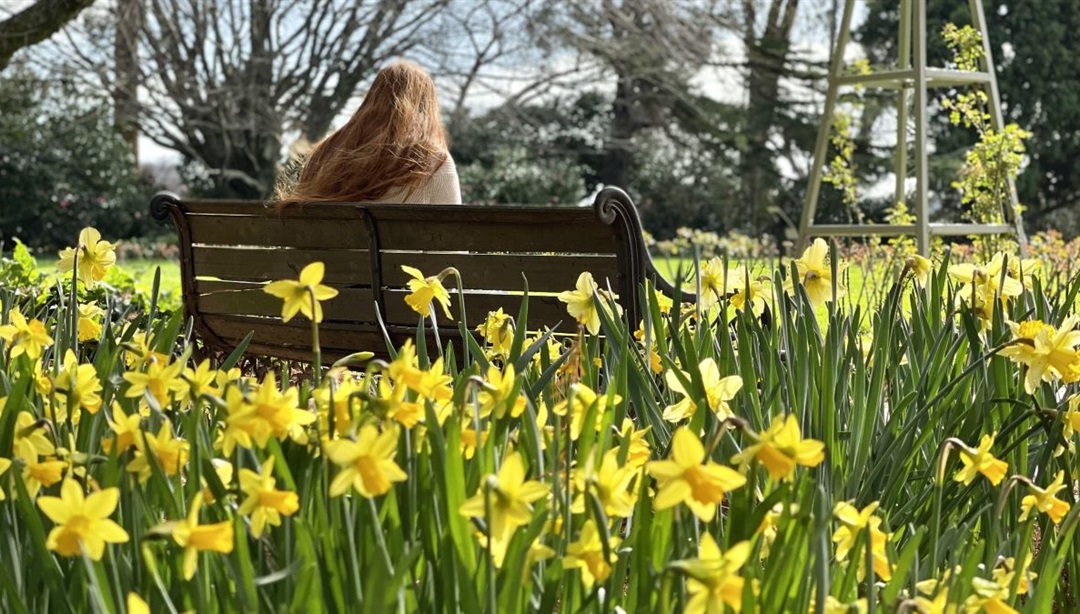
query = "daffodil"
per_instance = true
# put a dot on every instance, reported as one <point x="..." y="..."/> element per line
<point x="38" y="473"/>
<point x="94" y="257"/>
<point x="199" y="381"/>
<point x="89" y="328"/>
<point x="5" y="464"/>
<point x="853" y="522"/>
<point x="498" y="330"/>
<point x="170" y="454"/>
<point x="161" y="380"/>
<point x="82" y="522"/>
<point x="424" y="290"/>
<point x="981" y="461"/>
<point x="501" y="395"/>
<point x="1005" y="572"/>
<point x="747" y="293"/>
<point x="509" y="496"/>
<point x="815" y="274"/>
<point x="587" y="554"/>
<point x="718" y="391"/>
<point x="713" y="282"/>
<point x="691" y="478"/>
<point x="1049" y="353"/>
<point x="195" y="538"/>
<point x="582" y="303"/>
<point x="304" y="295"/>
<point x="610" y="484"/>
<point x="78" y="384"/>
<point x="920" y="268"/>
<point x="264" y="503"/>
<point x="713" y="579"/>
<point x="988" y="596"/>
<point x="269" y="413"/>
<point x="25" y="337"/>
<point x="582" y="399"/>
<point x="982" y="285"/>
<point x="367" y="464"/>
<point x="1045" y="500"/>
<point x="136" y="604"/>
<point x="125" y="428"/>
<point x="781" y="448"/>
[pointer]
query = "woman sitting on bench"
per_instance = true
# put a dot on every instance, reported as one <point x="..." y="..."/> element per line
<point x="392" y="150"/>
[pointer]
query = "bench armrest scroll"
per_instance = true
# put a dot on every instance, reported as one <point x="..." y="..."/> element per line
<point x="162" y="204"/>
<point x="614" y="207"/>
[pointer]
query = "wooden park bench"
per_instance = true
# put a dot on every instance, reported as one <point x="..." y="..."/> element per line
<point x="230" y="249"/>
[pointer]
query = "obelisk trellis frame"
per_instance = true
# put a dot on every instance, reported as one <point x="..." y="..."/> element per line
<point x="911" y="73"/>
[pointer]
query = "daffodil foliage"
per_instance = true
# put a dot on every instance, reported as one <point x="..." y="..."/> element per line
<point x="779" y="445"/>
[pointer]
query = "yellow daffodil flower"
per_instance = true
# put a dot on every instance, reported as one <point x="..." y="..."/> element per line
<point x="610" y="484"/>
<point x="199" y="381"/>
<point x="713" y="579"/>
<point x="718" y="391"/>
<point x="78" y="385"/>
<point x="95" y="257"/>
<point x="161" y="379"/>
<point x="265" y="504"/>
<point x="498" y="330"/>
<point x="981" y="286"/>
<point x="582" y="304"/>
<point x="714" y="277"/>
<point x="125" y="430"/>
<point x="269" y="413"/>
<point x="367" y="464"/>
<point x="195" y="538"/>
<point x="510" y="495"/>
<point x="498" y="396"/>
<point x="89" y="328"/>
<point x="920" y="268"/>
<point x="853" y="522"/>
<point x="303" y="296"/>
<point x="587" y="554"/>
<point x="25" y="337"/>
<point x="82" y="522"/>
<point x="782" y="448"/>
<point x="981" y="461"/>
<point x="32" y="432"/>
<point x="582" y="398"/>
<point x="1045" y="500"/>
<point x="988" y="596"/>
<point x="424" y="290"/>
<point x="815" y="274"/>
<point x="1049" y="353"/>
<point x="5" y="464"/>
<point x="136" y="605"/>
<point x="689" y="477"/>
<point x="170" y="453"/>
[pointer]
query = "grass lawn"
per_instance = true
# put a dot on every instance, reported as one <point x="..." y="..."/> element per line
<point x="141" y="270"/>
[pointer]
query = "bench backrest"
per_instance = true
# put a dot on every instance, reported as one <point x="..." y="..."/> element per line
<point x="230" y="249"/>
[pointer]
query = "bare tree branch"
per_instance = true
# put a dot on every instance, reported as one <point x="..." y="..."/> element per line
<point x="36" y="23"/>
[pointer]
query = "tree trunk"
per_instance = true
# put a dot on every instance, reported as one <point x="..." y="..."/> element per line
<point x="129" y="20"/>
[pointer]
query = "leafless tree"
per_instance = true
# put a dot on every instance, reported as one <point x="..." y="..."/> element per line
<point x="650" y="49"/>
<point x="36" y="23"/>
<point x="225" y="80"/>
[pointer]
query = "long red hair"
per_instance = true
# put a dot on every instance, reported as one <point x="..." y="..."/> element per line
<point x="393" y="143"/>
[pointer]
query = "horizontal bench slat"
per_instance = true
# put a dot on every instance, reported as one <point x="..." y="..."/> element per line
<point x="351" y="304"/>
<point x="345" y="337"/>
<point x="546" y="273"/>
<point x="544" y="311"/>
<point x="554" y="236"/>
<point x="343" y="267"/>
<point x="272" y="231"/>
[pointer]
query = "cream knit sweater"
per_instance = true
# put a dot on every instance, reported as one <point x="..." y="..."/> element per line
<point x="441" y="189"/>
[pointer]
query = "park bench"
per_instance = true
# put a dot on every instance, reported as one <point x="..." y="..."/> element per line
<point x="230" y="249"/>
